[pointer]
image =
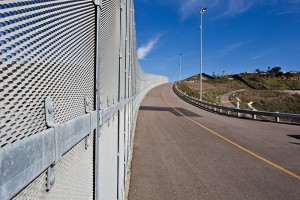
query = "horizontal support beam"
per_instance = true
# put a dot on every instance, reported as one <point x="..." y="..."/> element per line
<point x="108" y="112"/>
<point x="21" y="162"/>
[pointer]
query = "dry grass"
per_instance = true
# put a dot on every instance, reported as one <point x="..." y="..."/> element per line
<point x="274" y="101"/>
<point x="212" y="88"/>
<point x="273" y="83"/>
<point x="265" y="100"/>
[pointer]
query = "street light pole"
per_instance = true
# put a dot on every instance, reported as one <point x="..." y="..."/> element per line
<point x="201" y="13"/>
<point x="180" y="65"/>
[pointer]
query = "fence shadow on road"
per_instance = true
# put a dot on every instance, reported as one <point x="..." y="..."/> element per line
<point x="296" y="137"/>
<point x="184" y="111"/>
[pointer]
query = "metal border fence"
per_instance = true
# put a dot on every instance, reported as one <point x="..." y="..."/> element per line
<point x="70" y="86"/>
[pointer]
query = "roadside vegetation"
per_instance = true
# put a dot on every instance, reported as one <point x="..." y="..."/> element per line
<point x="273" y="83"/>
<point x="213" y="88"/>
<point x="274" y="101"/>
<point x="272" y="90"/>
<point x="273" y="79"/>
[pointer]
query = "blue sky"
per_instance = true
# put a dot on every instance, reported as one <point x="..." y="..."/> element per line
<point x="238" y="35"/>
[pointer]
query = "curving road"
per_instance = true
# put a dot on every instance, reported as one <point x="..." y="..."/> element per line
<point x="225" y="98"/>
<point x="183" y="152"/>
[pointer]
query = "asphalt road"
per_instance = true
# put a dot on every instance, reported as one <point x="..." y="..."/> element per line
<point x="203" y="155"/>
<point x="225" y="99"/>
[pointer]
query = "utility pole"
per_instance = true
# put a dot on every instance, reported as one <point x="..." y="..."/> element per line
<point x="201" y="13"/>
<point x="180" y="65"/>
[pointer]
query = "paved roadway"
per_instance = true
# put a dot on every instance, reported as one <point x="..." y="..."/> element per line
<point x="293" y="91"/>
<point x="225" y="98"/>
<point x="202" y="155"/>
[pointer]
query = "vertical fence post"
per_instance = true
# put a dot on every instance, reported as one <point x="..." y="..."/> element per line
<point x="98" y="4"/>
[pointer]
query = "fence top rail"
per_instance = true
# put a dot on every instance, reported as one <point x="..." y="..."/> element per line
<point x="238" y="110"/>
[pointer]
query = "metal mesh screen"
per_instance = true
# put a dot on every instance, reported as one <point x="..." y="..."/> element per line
<point x="109" y="92"/>
<point x="74" y="177"/>
<point x="46" y="49"/>
<point x="109" y="48"/>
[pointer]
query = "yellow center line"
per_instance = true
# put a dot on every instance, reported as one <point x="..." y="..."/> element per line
<point x="225" y="101"/>
<point x="231" y="142"/>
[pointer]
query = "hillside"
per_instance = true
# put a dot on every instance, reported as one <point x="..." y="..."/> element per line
<point x="266" y="93"/>
<point x="270" y="100"/>
<point x="212" y="87"/>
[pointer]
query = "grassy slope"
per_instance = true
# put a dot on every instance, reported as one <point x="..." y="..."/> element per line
<point x="273" y="83"/>
<point x="263" y="98"/>
<point x="269" y="100"/>
<point x="212" y="88"/>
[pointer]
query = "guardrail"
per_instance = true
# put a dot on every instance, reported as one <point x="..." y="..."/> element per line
<point x="231" y="111"/>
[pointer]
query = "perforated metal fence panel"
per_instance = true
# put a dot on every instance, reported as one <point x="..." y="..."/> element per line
<point x="74" y="177"/>
<point x="110" y="44"/>
<point x="56" y="142"/>
<point x="47" y="49"/>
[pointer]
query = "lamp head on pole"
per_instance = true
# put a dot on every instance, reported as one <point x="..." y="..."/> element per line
<point x="202" y="10"/>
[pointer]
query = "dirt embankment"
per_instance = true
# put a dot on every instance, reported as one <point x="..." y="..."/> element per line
<point x="263" y="99"/>
<point x="270" y="100"/>
<point x="212" y="88"/>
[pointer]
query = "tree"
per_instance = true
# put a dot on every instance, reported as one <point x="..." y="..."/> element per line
<point x="276" y="70"/>
<point x="258" y="71"/>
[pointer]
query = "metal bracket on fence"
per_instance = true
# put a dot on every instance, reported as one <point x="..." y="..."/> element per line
<point x="100" y="116"/>
<point x="98" y="3"/>
<point x="108" y="123"/>
<point x="121" y="6"/>
<point x="49" y="109"/>
<point x="50" y="177"/>
<point x="113" y="115"/>
<point x="21" y="162"/>
<point x="87" y="110"/>
<point x="49" y="112"/>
